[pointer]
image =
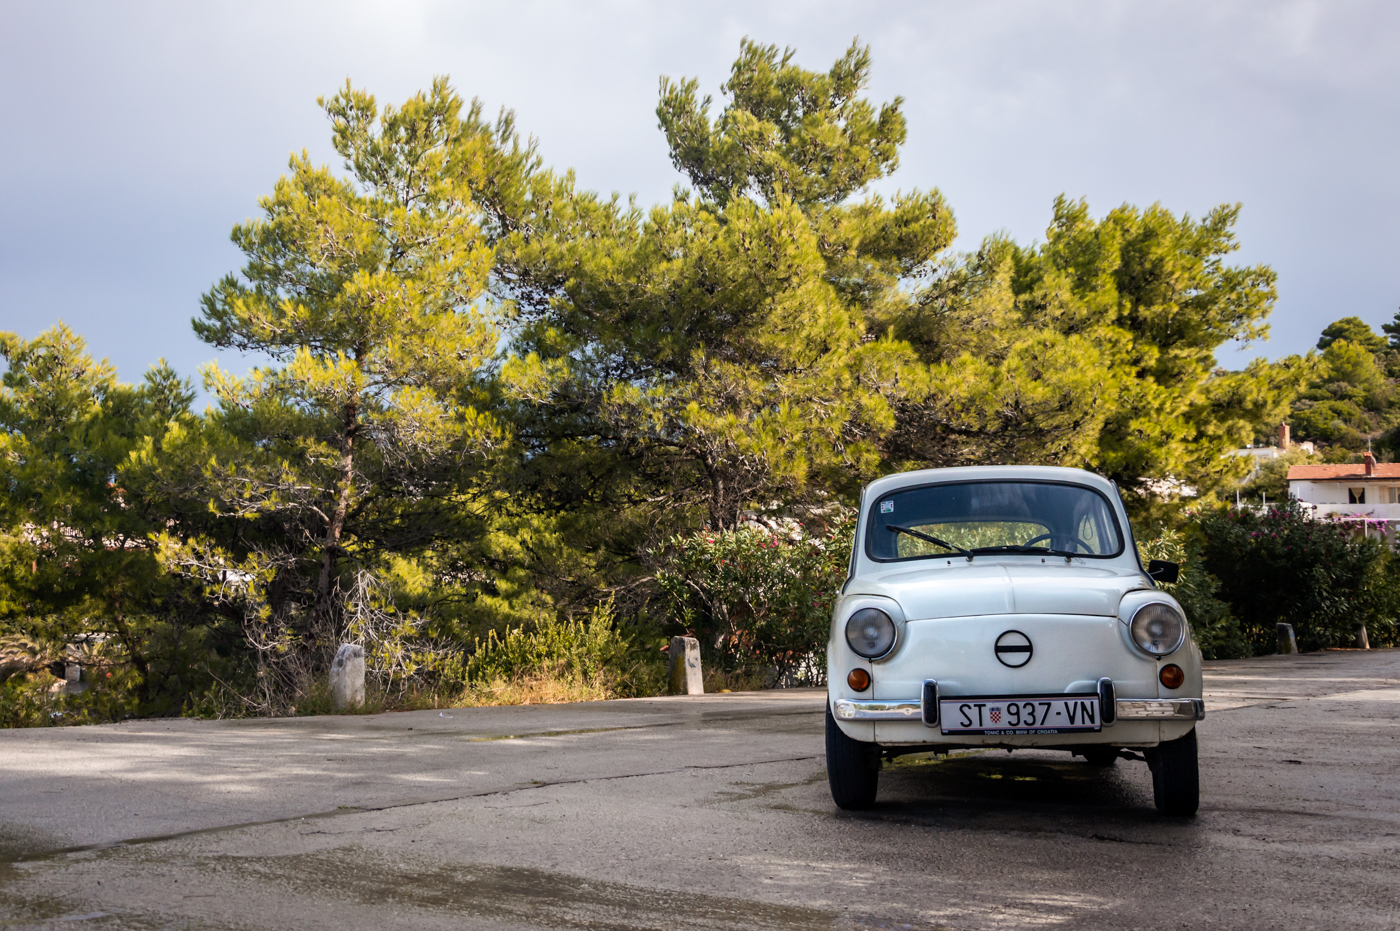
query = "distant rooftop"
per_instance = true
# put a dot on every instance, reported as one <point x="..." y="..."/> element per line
<point x="1354" y="470"/>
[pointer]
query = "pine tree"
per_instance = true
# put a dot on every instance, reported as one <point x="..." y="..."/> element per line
<point x="363" y="435"/>
<point x="718" y="349"/>
<point x="1153" y="292"/>
<point x="78" y="559"/>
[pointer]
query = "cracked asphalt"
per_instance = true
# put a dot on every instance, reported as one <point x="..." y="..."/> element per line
<point x="704" y="813"/>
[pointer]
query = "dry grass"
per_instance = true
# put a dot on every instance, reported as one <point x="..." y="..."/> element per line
<point x="537" y="689"/>
<point x="533" y="690"/>
<point x="717" y="680"/>
<point x="525" y="690"/>
<point x="542" y="687"/>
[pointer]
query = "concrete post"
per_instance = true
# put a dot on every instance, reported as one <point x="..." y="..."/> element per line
<point x="1362" y="641"/>
<point x="1287" y="643"/>
<point x="72" y="679"/>
<point x="684" y="667"/>
<point x="348" y="677"/>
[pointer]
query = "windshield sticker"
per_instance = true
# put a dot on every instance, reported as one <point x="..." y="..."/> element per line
<point x="886" y="507"/>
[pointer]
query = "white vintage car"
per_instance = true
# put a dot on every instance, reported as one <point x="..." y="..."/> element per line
<point x="1005" y="606"/>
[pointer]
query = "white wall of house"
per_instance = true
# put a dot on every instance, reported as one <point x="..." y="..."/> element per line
<point x="1331" y="496"/>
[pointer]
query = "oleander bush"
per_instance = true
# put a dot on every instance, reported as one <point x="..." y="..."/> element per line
<point x="759" y="599"/>
<point x="1278" y="564"/>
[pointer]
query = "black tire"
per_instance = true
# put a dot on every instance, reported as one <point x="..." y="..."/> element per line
<point x="1176" y="777"/>
<point x="1101" y="756"/>
<point x="852" y="768"/>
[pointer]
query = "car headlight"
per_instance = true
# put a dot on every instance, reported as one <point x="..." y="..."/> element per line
<point x="870" y="632"/>
<point x="1158" y="629"/>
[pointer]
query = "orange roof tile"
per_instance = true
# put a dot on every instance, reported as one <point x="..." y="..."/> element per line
<point x="1350" y="472"/>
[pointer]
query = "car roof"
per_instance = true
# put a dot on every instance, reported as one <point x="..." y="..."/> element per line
<point x="999" y="473"/>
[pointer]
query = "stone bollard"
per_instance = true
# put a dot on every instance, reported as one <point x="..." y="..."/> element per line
<point x="1362" y="641"/>
<point x="684" y="667"/>
<point x="72" y="679"/>
<point x="348" y="677"/>
<point x="1287" y="643"/>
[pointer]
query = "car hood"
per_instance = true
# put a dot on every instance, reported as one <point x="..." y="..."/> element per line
<point x="956" y="588"/>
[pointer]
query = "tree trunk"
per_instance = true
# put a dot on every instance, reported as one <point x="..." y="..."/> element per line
<point x="724" y="510"/>
<point x="143" y="669"/>
<point x="325" y="612"/>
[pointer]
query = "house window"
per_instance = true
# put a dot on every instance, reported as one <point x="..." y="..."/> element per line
<point x="1392" y="495"/>
<point x="1356" y="496"/>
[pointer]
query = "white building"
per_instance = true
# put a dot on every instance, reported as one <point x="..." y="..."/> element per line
<point x="1262" y="454"/>
<point x="1367" y="492"/>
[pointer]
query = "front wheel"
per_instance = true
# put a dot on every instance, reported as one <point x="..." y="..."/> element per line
<point x="852" y="768"/>
<point x="1176" y="779"/>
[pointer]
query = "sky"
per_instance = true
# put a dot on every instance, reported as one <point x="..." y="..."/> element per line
<point x="135" y="135"/>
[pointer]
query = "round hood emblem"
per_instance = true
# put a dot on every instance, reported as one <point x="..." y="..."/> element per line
<point x="1014" y="649"/>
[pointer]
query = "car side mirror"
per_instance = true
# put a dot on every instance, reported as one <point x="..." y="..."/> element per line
<point x="1162" y="571"/>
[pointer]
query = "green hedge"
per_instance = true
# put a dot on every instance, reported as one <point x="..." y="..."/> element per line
<point x="1280" y="565"/>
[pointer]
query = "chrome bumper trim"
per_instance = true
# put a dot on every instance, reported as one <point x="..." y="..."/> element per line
<point x="1155" y="709"/>
<point x="1162" y="709"/>
<point x="877" y="710"/>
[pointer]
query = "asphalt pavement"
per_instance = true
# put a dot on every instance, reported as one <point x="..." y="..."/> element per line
<point x="704" y="813"/>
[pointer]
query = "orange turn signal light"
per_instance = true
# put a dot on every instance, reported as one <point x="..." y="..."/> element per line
<point x="1172" y="676"/>
<point x="858" y="679"/>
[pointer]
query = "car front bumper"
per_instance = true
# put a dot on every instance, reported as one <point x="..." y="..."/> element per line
<point x="1129" y="709"/>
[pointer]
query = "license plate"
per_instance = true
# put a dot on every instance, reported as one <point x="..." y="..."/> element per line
<point x="1014" y="715"/>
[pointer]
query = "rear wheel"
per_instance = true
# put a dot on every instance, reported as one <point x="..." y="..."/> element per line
<point x="852" y="768"/>
<point x="1101" y="756"/>
<point x="1176" y="780"/>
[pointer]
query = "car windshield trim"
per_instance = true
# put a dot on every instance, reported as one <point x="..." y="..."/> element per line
<point x="872" y="513"/>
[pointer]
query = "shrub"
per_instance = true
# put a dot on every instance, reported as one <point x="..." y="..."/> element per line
<point x="1213" y="627"/>
<point x="759" y="599"/>
<point x="25" y="703"/>
<point x="562" y="660"/>
<point x="1279" y="565"/>
<point x="31" y="701"/>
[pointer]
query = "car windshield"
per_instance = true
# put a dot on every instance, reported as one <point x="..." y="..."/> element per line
<point x="992" y="517"/>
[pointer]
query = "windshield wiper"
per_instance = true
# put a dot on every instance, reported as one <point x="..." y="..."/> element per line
<point x="895" y="528"/>
<point x="1021" y="548"/>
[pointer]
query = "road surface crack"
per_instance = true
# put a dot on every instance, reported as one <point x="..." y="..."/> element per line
<point x="363" y="809"/>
